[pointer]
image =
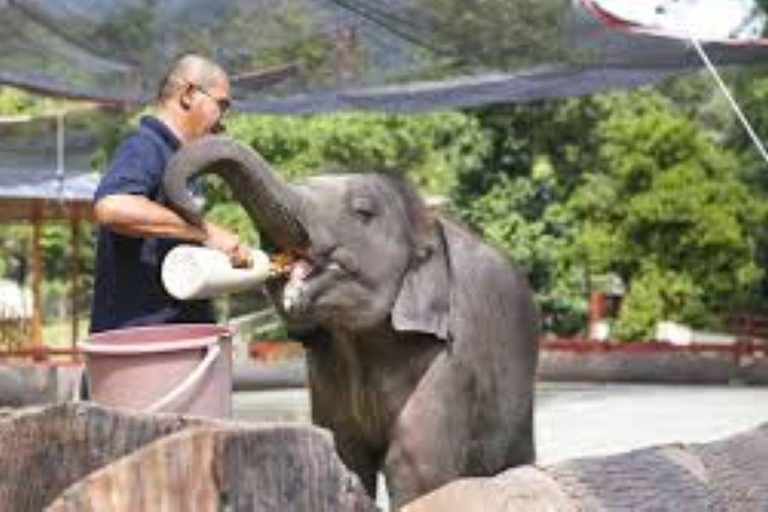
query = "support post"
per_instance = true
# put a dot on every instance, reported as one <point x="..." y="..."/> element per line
<point x="75" y="277"/>
<point x="37" y="278"/>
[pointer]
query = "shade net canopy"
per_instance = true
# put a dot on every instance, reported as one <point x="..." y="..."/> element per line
<point x="45" y="169"/>
<point x="304" y="56"/>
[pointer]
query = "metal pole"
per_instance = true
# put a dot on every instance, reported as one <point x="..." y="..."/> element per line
<point x="75" y="276"/>
<point x="60" y="154"/>
<point x="37" y="277"/>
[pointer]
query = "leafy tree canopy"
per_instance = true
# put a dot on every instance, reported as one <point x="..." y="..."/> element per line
<point x="427" y="149"/>
<point x="665" y="208"/>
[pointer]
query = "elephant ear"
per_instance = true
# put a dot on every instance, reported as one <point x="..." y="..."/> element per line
<point x="424" y="301"/>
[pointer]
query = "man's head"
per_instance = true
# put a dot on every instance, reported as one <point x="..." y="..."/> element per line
<point x="194" y="97"/>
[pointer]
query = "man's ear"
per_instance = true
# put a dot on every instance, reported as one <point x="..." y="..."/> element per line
<point x="186" y="98"/>
<point x="423" y="304"/>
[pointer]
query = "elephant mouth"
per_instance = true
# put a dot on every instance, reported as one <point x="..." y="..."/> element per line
<point x="306" y="281"/>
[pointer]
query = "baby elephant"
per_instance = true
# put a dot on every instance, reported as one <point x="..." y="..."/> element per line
<point x="421" y="339"/>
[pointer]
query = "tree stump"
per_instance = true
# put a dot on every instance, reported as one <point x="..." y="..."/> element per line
<point x="729" y="475"/>
<point x="77" y="457"/>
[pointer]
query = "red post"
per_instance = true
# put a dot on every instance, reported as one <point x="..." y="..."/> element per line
<point x="596" y="311"/>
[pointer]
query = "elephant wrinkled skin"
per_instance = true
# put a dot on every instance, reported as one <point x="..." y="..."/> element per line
<point x="421" y="339"/>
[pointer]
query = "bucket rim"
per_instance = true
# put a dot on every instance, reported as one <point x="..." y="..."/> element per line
<point x="91" y="345"/>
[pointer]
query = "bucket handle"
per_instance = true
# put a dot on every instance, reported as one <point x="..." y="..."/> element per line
<point x="190" y="380"/>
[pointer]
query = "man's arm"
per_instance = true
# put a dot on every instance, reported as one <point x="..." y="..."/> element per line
<point x="137" y="216"/>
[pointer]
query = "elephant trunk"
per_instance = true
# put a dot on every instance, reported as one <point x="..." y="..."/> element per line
<point x="269" y="201"/>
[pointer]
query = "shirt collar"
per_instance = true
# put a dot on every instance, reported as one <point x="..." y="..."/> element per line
<point x="160" y="128"/>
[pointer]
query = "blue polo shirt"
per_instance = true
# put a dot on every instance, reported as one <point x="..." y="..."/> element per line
<point x="128" y="290"/>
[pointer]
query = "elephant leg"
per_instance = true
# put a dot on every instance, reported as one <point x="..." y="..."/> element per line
<point x="359" y="459"/>
<point x="356" y="454"/>
<point x="328" y="411"/>
<point x="430" y="438"/>
<point x="418" y="461"/>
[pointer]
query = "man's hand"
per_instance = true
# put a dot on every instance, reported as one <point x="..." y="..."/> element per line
<point x="137" y="216"/>
<point x="227" y="242"/>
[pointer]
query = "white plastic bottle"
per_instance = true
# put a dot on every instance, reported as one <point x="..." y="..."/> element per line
<point x="191" y="272"/>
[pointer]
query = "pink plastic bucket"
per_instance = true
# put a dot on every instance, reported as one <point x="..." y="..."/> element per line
<point x="183" y="368"/>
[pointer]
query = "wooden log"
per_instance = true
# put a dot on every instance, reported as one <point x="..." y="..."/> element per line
<point x="729" y="475"/>
<point x="174" y="473"/>
<point x="207" y="469"/>
<point x="526" y="488"/>
<point x="87" y="458"/>
<point x="44" y="450"/>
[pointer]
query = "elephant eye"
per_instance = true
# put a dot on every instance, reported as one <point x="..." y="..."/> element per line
<point x="363" y="207"/>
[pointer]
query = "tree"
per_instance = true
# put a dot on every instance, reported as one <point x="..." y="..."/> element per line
<point x="427" y="149"/>
<point x="496" y="34"/>
<point x="633" y="184"/>
<point x="516" y="196"/>
<point x="664" y="208"/>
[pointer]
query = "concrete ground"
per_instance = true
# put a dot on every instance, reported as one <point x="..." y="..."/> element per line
<point x="580" y="420"/>
<point x="583" y="420"/>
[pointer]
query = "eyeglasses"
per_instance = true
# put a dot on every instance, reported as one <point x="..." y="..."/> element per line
<point x="224" y="104"/>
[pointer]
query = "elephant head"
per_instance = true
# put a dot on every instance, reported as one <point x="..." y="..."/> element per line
<point x="365" y="243"/>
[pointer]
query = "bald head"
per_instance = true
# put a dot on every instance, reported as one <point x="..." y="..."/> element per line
<point x="190" y="69"/>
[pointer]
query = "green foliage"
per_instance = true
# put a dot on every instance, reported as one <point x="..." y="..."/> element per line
<point x="276" y="331"/>
<point x="126" y="31"/>
<point x="696" y="96"/>
<point x="14" y="102"/>
<point x="656" y="294"/>
<point x="496" y="34"/>
<point x="17" y="102"/>
<point x="247" y="37"/>
<point x="517" y="194"/>
<point x="633" y="184"/>
<point x="663" y="206"/>
<point x="110" y="131"/>
<point x="55" y="243"/>
<point x="659" y="187"/>
<point x="232" y="216"/>
<point x="428" y="149"/>
<point x="751" y="91"/>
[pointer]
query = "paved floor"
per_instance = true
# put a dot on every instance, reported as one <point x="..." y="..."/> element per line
<point x="585" y="420"/>
<point x="578" y="420"/>
<point x="581" y="420"/>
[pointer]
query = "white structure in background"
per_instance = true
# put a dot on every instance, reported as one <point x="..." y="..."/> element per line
<point x="600" y="330"/>
<point x="703" y="19"/>
<point x="15" y="302"/>
<point x="679" y="334"/>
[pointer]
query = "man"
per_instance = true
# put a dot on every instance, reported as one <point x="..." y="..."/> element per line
<point x="136" y="229"/>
